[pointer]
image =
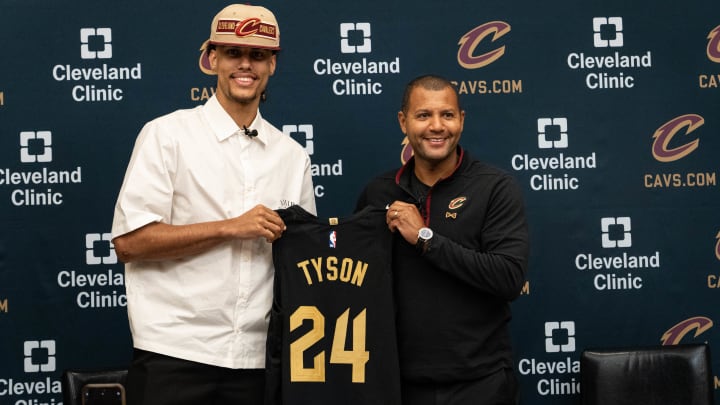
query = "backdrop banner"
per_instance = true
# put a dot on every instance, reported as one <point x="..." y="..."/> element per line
<point x="607" y="112"/>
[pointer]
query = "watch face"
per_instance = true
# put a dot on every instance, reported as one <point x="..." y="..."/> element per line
<point x="425" y="233"/>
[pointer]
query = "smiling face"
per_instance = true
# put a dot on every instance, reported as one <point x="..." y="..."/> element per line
<point x="242" y="72"/>
<point x="433" y="123"/>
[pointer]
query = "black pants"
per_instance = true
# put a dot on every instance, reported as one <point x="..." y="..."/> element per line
<point x="499" y="388"/>
<point x="155" y="379"/>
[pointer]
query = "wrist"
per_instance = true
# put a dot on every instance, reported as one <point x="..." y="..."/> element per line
<point x="424" y="239"/>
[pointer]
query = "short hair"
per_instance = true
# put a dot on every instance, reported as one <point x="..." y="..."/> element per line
<point x="427" y="82"/>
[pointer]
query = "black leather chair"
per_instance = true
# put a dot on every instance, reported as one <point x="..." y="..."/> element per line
<point x="75" y="381"/>
<point x="654" y="375"/>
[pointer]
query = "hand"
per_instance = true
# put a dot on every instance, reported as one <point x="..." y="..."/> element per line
<point x="406" y="219"/>
<point x="259" y="222"/>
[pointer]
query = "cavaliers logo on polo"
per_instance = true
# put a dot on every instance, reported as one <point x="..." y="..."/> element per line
<point x="455" y="203"/>
<point x="479" y="48"/>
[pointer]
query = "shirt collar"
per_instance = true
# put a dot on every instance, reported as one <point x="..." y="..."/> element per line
<point x="224" y="126"/>
<point x="402" y="176"/>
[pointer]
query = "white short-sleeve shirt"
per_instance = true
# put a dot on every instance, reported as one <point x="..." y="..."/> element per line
<point x="194" y="166"/>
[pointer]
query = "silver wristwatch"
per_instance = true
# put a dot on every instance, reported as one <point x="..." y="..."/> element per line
<point x="423" y="241"/>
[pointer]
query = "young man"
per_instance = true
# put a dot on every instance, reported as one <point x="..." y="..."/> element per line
<point x="460" y="257"/>
<point x="194" y="220"/>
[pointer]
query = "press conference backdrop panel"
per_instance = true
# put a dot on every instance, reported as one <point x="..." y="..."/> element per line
<point x="607" y="112"/>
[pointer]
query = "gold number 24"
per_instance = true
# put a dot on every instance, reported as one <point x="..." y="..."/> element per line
<point x="357" y="357"/>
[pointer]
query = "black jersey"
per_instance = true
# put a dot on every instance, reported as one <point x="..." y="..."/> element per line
<point x="332" y="326"/>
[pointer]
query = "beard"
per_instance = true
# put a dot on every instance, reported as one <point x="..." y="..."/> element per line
<point x="244" y="99"/>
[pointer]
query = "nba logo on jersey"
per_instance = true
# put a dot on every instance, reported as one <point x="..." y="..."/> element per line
<point x="333" y="239"/>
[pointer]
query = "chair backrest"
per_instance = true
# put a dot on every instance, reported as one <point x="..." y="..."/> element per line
<point x="654" y="375"/>
<point x="100" y="383"/>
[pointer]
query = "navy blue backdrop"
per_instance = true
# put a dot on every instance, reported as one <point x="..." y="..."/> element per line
<point x="606" y="111"/>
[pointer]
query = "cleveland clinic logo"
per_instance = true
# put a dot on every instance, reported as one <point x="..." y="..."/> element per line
<point x="304" y="135"/>
<point x="560" y="337"/>
<point x="347" y="45"/>
<point x="603" y="24"/>
<point x="556" y="374"/>
<point x="616" y="232"/>
<point x="99" y="249"/>
<point x="39" y="356"/>
<point x="36" y="184"/>
<point x="553" y="167"/>
<point x="104" y="35"/>
<point x="544" y="124"/>
<point x="617" y="271"/>
<point x="96" y="289"/>
<point x="356" y="77"/>
<point x="35" y="146"/>
<point x="608" y="71"/>
<point x="95" y="82"/>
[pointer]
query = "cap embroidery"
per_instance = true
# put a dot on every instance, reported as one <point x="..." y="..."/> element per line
<point x="246" y="28"/>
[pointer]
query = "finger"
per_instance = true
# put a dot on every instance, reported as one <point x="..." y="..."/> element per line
<point x="272" y="233"/>
<point x="274" y="229"/>
<point x="392" y="226"/>
<point x="273" y="221"/>
<point x="390" y="214"/>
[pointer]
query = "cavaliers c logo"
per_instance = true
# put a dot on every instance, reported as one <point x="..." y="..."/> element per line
<point x="713" y="47"/>
<point x="407" y="151"/>
<point x="674" y="335"/>
<point x="247" y="27"/>
<point x="457" y="203"/>
<point x="470" y="41"/>
<point x="661" y="146"/>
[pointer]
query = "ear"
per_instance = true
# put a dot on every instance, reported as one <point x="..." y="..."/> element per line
<point x="212" y="58"/>
<point x="401" y="121"/>
<point x="462" y="120"/>
<point x="273" y="63"/>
